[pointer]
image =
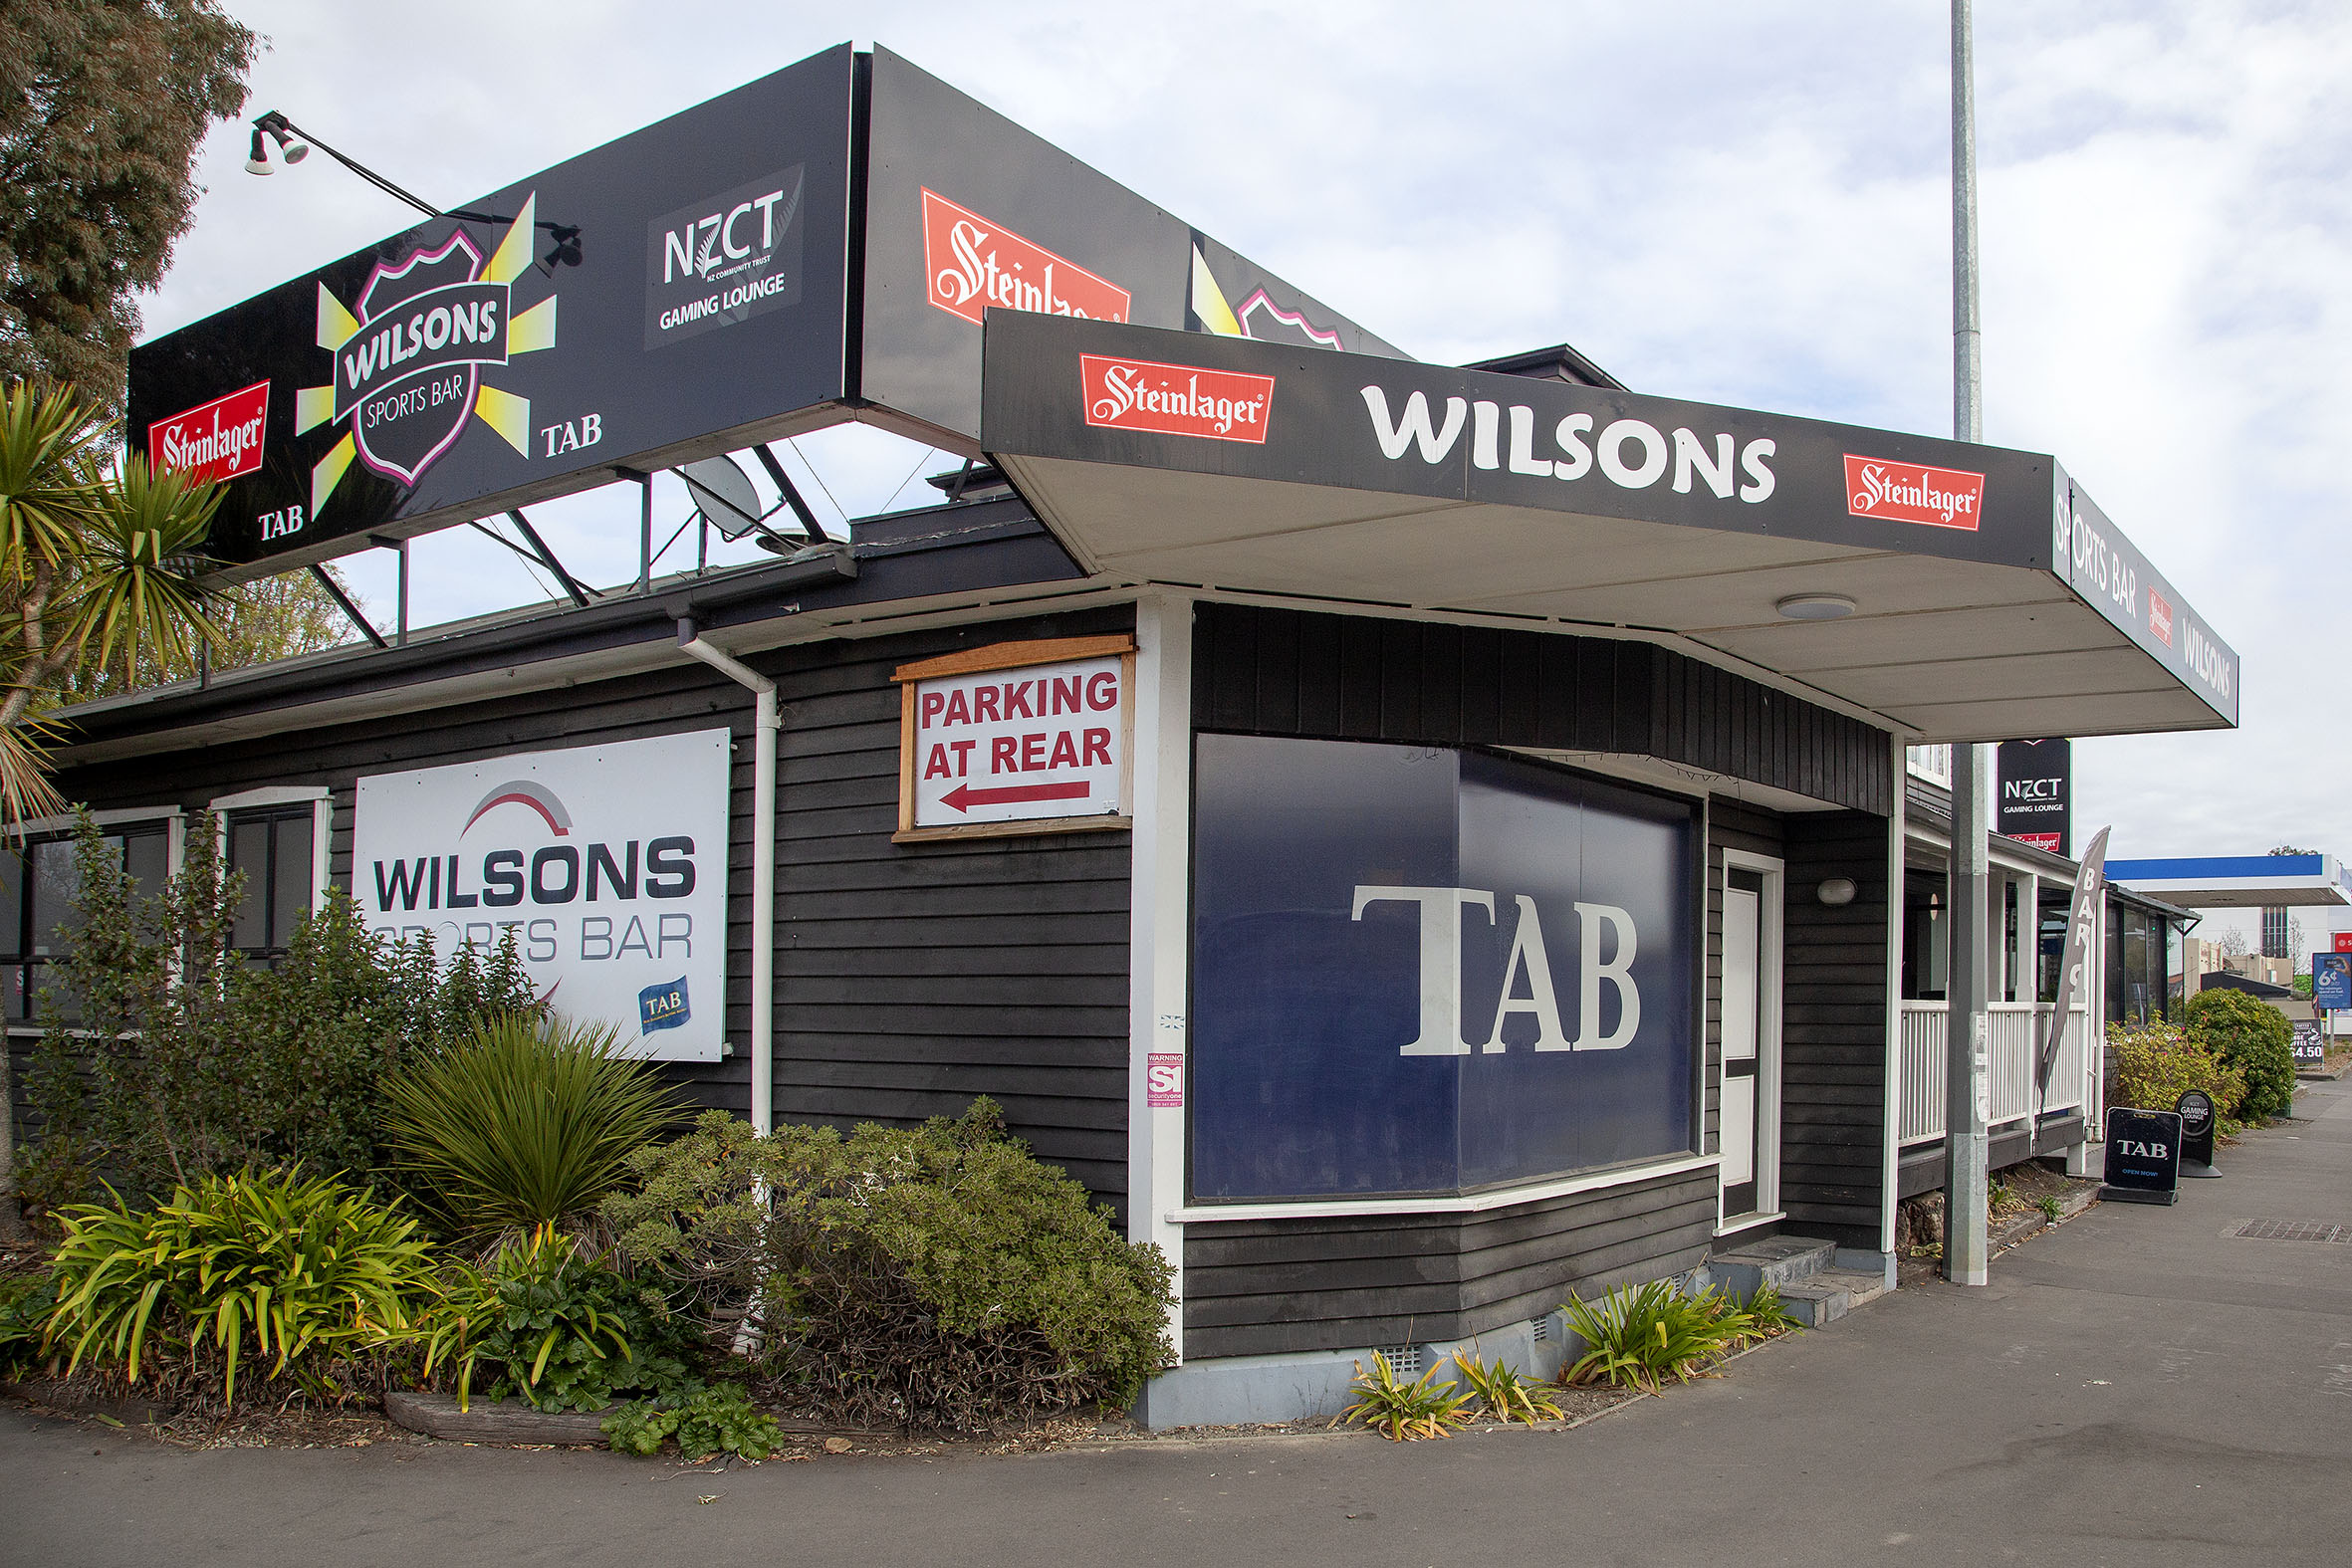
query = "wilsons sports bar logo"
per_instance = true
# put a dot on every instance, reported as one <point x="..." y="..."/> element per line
<point x="1175" y="399"/>
<point x="220" y="441"/>
<point x="1914" y="493"/>
<point x="408" y="356"/>
<point x="970" y="264"/>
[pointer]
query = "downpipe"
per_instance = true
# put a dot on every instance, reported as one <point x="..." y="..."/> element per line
<point x="766" y="722"/>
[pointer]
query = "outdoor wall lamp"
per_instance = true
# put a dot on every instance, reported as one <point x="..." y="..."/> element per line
<point x="1836" y="891"/>
<point x="273" y="126"/>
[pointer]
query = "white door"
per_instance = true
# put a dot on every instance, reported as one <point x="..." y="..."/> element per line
<point x="1742" y="1099"/>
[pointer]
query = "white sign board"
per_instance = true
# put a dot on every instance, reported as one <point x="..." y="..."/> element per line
<point x="607" y="862"/>
<point x="1011" y="743"/>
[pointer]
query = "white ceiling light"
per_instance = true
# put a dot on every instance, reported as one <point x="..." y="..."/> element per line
<point x="1816" y="607"/>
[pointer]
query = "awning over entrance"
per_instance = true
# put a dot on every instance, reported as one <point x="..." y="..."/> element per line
<point x="1963" y="593"/>
<point x="2239" y="881"/>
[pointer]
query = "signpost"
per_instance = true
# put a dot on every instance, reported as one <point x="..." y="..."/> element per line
<point x="2196" y="1110"/>
<point x="1019" y="737"/>
<point x="2143" y="1156"/>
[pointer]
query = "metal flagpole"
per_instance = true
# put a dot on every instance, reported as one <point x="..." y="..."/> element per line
<point x="1968" y="1076"/>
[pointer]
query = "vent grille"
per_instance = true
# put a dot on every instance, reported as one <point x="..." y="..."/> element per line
<point x="2291" y="1230"/>
<point x="1404" y="1361"/>
<point x="1544" y="1329"/>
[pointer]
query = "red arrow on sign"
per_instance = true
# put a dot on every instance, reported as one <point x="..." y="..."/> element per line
<point x="963" y="796"/>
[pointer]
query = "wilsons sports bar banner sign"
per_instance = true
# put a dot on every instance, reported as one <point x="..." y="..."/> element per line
<point x="606" y="863"/>
<point x="635" y="306"/>
<point x="1422" y="971"/>
<point x="682" y="291"/>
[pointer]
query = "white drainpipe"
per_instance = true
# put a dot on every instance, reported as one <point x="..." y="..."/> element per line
<point x="766" y="722"/>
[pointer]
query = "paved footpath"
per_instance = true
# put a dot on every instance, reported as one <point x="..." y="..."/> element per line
<point x="2134" y="1388"/>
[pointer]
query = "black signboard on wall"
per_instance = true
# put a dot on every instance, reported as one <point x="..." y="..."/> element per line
<point x="679" y="291"/>
<point x="967" y="211"/>
<point x="2038" y="793"/>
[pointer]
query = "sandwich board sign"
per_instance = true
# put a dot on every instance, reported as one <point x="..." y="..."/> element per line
<point x="2143" y="1156"/>
<point x="2198" y="1120"/>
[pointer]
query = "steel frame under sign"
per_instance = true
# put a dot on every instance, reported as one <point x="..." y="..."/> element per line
<point x="1018" y="738"/>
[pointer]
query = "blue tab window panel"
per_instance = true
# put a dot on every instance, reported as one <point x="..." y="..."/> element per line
<point x="1422" y="971"/>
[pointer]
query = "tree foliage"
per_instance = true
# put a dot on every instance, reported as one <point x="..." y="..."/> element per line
<point x="2252" y="1037"/>
<point x="102" y="104"/>
<point x="277" y="617"/>
<point x="94" y="566"/>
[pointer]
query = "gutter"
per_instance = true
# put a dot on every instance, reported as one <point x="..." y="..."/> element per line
<point x="767" y="722"/>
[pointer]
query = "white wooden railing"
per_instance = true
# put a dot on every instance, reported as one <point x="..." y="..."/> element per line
<point x="2016" y="1030"/>
<point x="1931" y="762"/>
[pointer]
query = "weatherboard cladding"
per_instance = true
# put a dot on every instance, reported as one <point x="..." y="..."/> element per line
<point x="1834" y="1030"/>
<point x="909" y="977"/>
<point x="1358" y="678"/>
<point x="1282" y="1287"/>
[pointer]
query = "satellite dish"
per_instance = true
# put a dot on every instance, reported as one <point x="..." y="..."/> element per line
<point x="724" y="494"/>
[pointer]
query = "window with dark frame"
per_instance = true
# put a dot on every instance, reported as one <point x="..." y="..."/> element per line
<point x="40" y="880"/>
<point x="272" y="847"/>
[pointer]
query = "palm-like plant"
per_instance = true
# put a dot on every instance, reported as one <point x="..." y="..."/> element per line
<point x="94" y="566"/>
<point x="526" y="1123"/>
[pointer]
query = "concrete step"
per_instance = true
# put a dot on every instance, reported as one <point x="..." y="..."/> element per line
<point x="1825" y="1295"/>
<point x="1781" y="1260"/>
<point x="1814" y="1304"/>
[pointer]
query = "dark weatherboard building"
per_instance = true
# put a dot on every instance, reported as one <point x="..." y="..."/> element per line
<point x="1417" y="841"/>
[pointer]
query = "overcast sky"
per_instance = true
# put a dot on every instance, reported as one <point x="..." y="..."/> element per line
<point x="1739" y="203"/>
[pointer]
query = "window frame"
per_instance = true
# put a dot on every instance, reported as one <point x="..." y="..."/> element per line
<point x="276" y="804"/>
<point x="16" y="1001"/>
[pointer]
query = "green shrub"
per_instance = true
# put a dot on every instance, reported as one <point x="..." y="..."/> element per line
<point x="2249" y="1034"/>
<point x="1507" y="1396"/>
<point x="718" y="1418"/>
<point x="526" y="1123"/>
<point x="1768" y="1316"/>
<point x="691" y="1216"/>
<point x="181" y="1059"/>
<point x="552" y="1328"/>
<point x="1641" y="1336"/>
<point x="1403" y="1412"/>
<point x="233" y="1269"/>
<point x="2158" y="1062"/>
<point x="26" y="1300"/>
<point x="935" y="1275"/>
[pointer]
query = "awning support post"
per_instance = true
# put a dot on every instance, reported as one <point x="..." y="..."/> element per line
<point x="1968" y="1053"/>
<point x="767" y="720"/>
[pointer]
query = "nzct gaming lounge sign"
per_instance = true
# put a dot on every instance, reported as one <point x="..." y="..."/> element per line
<point x="1424" y="971"/>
